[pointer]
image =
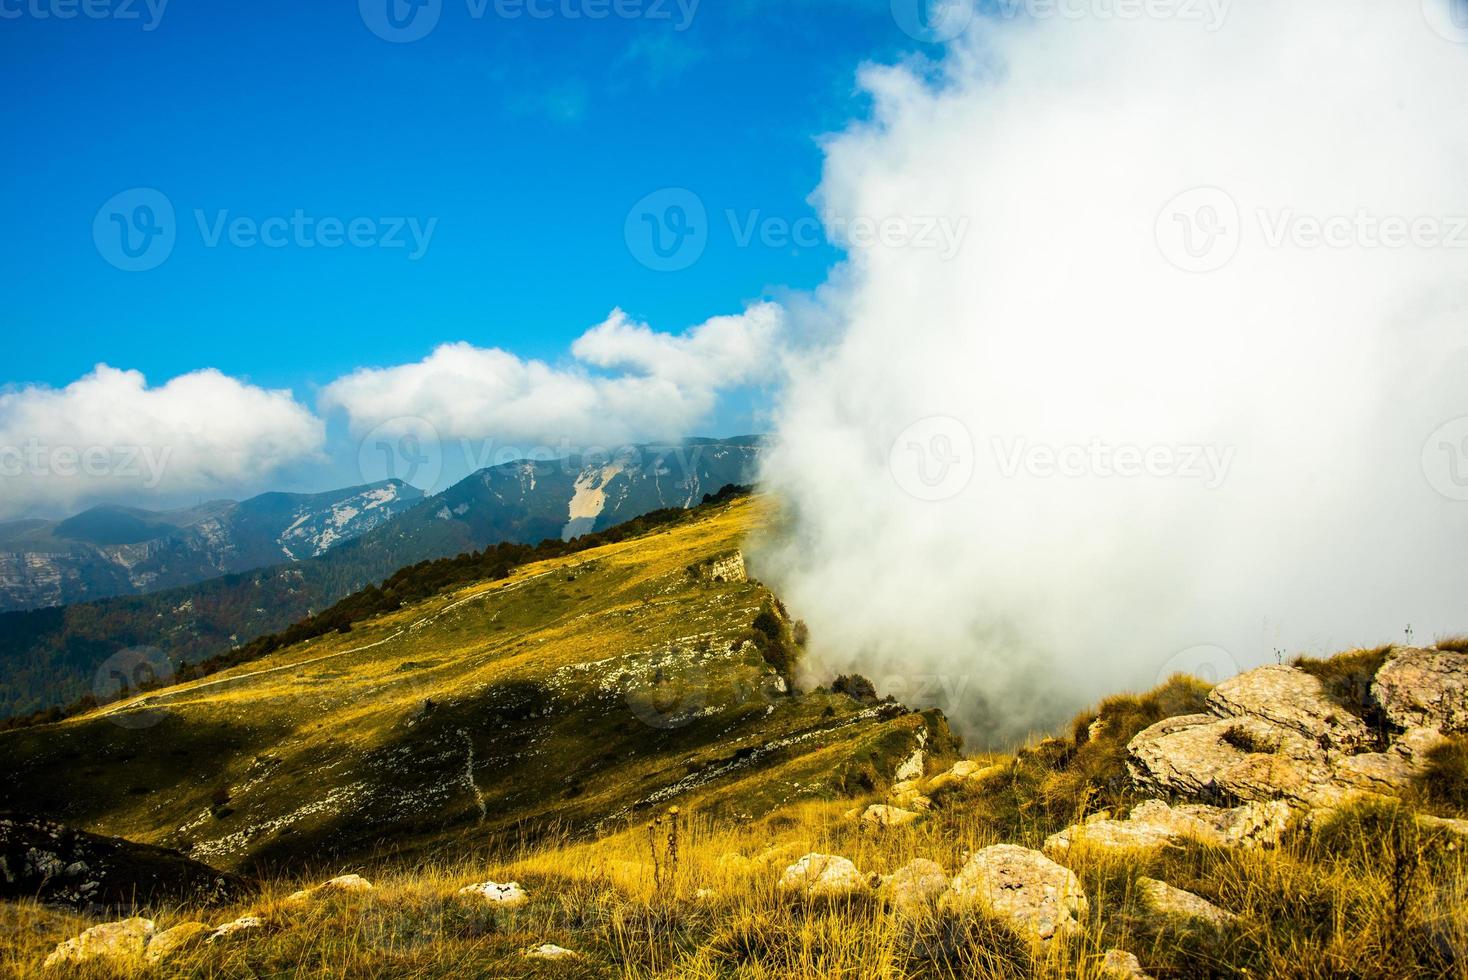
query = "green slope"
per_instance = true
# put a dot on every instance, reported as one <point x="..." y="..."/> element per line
<point x="574" y="694"/>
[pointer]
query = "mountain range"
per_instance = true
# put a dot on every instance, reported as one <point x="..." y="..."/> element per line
<point x="52" y="656"/>
<point x="111" y="550"/>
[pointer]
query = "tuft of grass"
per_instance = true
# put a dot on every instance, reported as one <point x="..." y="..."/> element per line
<point x="1444" y="783"/>
<point x="1453" y="644"/>
<point x="1347" y="679"/>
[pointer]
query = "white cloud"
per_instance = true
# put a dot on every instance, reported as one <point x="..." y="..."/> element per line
<point x="108" y="434"/>
<point x="1060" y="322"/>
<point x="665" y="384"/>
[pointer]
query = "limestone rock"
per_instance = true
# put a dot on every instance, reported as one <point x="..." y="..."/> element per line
<point x="1032" y="893"/>
<point x="881" y="815"/>
<point x="1290" y="698"/>
<point x="915" y="887"/>
<point x="549" y="951"/>
<point x="1118" y="964"/>
<point x="1154" y="824"/>
<point x="822" y="876"/>
<point x="244" y="924"/>
<point x="1208" y="757"/>
<point x="1175" y="903"/>
<point x="506" y="896"/>
<point x="963" y="772"/>
<point x="117" y="944"/>
<point x="342" y="884"/>
<point x="164" y="945"/>
<point x="1424" y="689"/>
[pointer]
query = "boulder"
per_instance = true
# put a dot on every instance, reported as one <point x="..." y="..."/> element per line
<point x="1118" y="964"/>
<point x="343" y="884"/>
<point x="915" y="887"/>
<point x="1155" y="824"/>
<point x="117" y="944"/>
<point x="1168" y="902"/>
<point x="244" y="925"/>
<point x="1290" y="698"/>
<point x="164" y="945"/>
<point x="58" y="864"/>
<point x="881" y="815"/>
<point x="963" y="772"/>
<point x="1202" y="756"/>
<point x="505" y="896"/>
<point x="822" y="876"/>
<point x="1033" y="894"/>
<point x="1424" y="689"/>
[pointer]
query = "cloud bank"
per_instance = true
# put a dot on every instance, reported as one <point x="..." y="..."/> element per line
<point x="657" y="385"/>
<point x="1182" y="241"/>
<point x="109" y="434"/>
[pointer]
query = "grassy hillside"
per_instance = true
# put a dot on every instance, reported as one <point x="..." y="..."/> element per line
<point x="51" y="657"/>
<point x="578" y="693"/>
<point x="691" y="891"/>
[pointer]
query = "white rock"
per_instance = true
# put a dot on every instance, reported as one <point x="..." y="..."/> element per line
<point x="340" y="884"/>
<point x="915" y="887"/>
<point x="506" y="896"/>
<point x="822" y="876"/>
<point x="1032" y="893"/>
<point x="1424" y="689"/>
<point x="1154" y="824"/>
<point x="1290" y="698"/>
<point x="881" y="815"/>
<point x="1170" y="902"/>
<point x="115" y="943"/>
<point x="549" y="951"/>
<point x="245" y="923"/>
<point x="165" y="944"/>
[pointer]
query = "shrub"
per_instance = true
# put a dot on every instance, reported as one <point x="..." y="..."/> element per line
<point x="855" y="686"/>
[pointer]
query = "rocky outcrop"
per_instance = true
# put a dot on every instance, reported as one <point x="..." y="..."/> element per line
<point x="117" y="944"/>
<point x="1031" y="893"/>
<point x="1287" y="698"/>
<point x="1274" y="733"/>
<point x="914" y="888"/>
<point x="1424" y="689"/>
<point x="728" y="567"/>
<point x="822" y="876"/>
<point x="52" y="862"/>
<point x="1155" y="824"/>
<point x="1176" y="904"/>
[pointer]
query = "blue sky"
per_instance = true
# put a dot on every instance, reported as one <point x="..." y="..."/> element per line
<point x="527" y="139"/>
<point x="492" y="171"/>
